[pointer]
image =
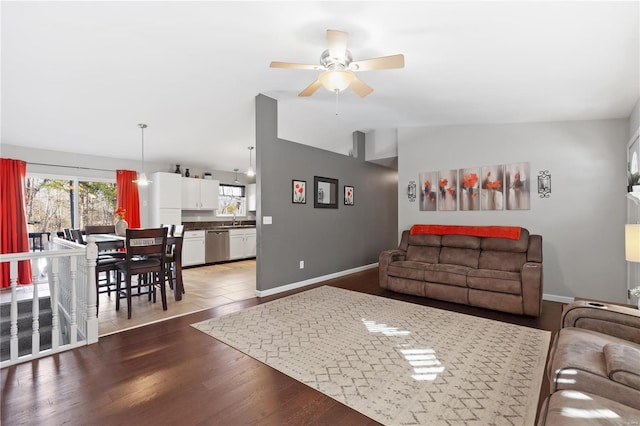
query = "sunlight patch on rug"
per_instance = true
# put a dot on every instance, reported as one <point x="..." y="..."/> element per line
<point x="396" y="362"/>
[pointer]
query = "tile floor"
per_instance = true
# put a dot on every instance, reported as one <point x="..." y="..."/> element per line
<point x="205" y="287"/>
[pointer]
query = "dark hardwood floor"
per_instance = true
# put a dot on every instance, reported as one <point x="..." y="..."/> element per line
<point x="170" y="373"/>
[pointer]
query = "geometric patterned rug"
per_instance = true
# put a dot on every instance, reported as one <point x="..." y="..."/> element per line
<point x="396" y="362"/>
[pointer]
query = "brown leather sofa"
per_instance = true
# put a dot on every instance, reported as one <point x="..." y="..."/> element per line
<point x="495" y="273"/>
<point x="594" y="367"/>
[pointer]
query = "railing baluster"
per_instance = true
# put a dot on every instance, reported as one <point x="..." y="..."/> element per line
<point x="13" y="279"/>
<point x="91" y="291"/>
<point x="55" y="327"/>
<point x="35" y="324"/>
<point x="74" y="324"/>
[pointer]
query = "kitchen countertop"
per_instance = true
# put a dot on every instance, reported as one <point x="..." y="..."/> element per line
<point x="199" y="226"/>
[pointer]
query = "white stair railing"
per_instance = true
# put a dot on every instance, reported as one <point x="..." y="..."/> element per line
<point x="72" y="289"/>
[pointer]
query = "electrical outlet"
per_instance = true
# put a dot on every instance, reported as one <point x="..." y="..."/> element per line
<point x="302" y="264"/>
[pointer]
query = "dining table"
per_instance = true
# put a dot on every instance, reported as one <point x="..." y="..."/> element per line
<point x="110" y="242"/>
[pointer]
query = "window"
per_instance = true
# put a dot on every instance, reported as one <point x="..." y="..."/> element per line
<point x="231" y="201"/>
<point x="96" y="203"/>
<point x="54" y="203"/>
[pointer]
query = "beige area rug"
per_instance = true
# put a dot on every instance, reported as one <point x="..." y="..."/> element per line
<point x="395" y="362"/>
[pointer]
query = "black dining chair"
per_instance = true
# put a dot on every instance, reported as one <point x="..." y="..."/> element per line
<point x="67" y="234"/>
<point x="145" y="257"/>
<point x="99" y="229"/>
<point x="104" y="229"/>
<point x="173" y="267"/>
<point x="76" y="235"/>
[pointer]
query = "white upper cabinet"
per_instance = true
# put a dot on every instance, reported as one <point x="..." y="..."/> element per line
<point x="199" y="194"/>
<point x="165" y="190"/>
<point x="209" y="194"/>
<point x="165" y="200"/>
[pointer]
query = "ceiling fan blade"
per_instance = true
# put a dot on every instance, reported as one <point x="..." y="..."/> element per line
<point x="276" y="64"/>
<point x="311" y="89"/>
<point x="383" y="63"/>
<point x="361" y="89"/>
<point x="337" y="41"/>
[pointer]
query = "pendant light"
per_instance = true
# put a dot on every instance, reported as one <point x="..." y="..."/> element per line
<point x="142" y="179"/>
<point x="250" y="172"/>
<point x="236" y="181"/>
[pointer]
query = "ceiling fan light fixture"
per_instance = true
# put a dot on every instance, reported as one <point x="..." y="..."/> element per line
<point x="337" y="80"/>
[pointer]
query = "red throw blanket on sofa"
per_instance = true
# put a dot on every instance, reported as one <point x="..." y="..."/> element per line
<point x="510" y="232"/>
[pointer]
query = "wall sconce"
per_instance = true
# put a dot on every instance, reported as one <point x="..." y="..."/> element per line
<point x="544" y="183"/>
<point x="411" y="191"/>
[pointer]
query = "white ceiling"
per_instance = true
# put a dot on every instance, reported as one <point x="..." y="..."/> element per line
<point x="79" y="76"/>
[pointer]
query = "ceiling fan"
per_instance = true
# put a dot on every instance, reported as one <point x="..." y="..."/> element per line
<point x="339" y="67"/>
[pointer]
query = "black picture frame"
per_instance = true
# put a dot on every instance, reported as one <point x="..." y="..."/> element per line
<point x="325" y="193"/>
<point x="299" y="191"/>
<point x="348" y="195"/>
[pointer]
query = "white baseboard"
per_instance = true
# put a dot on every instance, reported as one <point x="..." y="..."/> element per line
<point x="315" y="280"/>
<point x="554" y="298"/>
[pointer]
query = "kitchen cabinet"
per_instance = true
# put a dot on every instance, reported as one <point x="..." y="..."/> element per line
<point x="252" y="197"/>
<point x="193" y="248"/>
<point x="242" y="243"/>
<point x="165" y="201"/>
<point x="199" y="194"/>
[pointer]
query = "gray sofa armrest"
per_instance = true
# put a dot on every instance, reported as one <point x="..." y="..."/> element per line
<point x="613" y="320"/>
<point x="385" y="258"/>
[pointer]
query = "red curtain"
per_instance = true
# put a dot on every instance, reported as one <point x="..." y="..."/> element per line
<point x="128" y="198"/>
<point x="14" y="236"/>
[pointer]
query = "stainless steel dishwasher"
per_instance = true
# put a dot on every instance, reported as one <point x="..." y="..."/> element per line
<point x="216" y="246"/>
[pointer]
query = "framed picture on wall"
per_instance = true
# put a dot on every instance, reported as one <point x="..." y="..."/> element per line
<point x="427" y="190"/>
<point x="325" y="193"/>
<point x="348" y="195"/>
<point x="518" y="186"/>
<point x="447" y="190"/>
<point x="469" y="188"/>
<point x="492" y="185"/>
<point x="299" y="191"/>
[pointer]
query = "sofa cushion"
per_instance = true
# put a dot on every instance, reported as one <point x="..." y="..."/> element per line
<point x="623" y="364"/>
<point x="425" y="240"/>
<point x="459" y="256"/>
<point x="505" y="244"/>
<point x="502" y="260"/>
<point x="446" y="274"/>
<point x="461" y="241"/>
<point x="406" y="269"/>
<point x="423" y="254"/>
<point x="498" y="281"/>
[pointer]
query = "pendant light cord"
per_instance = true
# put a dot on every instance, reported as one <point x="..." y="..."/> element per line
<point x="142" y="127"/>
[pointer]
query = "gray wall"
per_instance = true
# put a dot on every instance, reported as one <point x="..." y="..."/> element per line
<point x="328" y="240"/>
<point x="582" y="223"/>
